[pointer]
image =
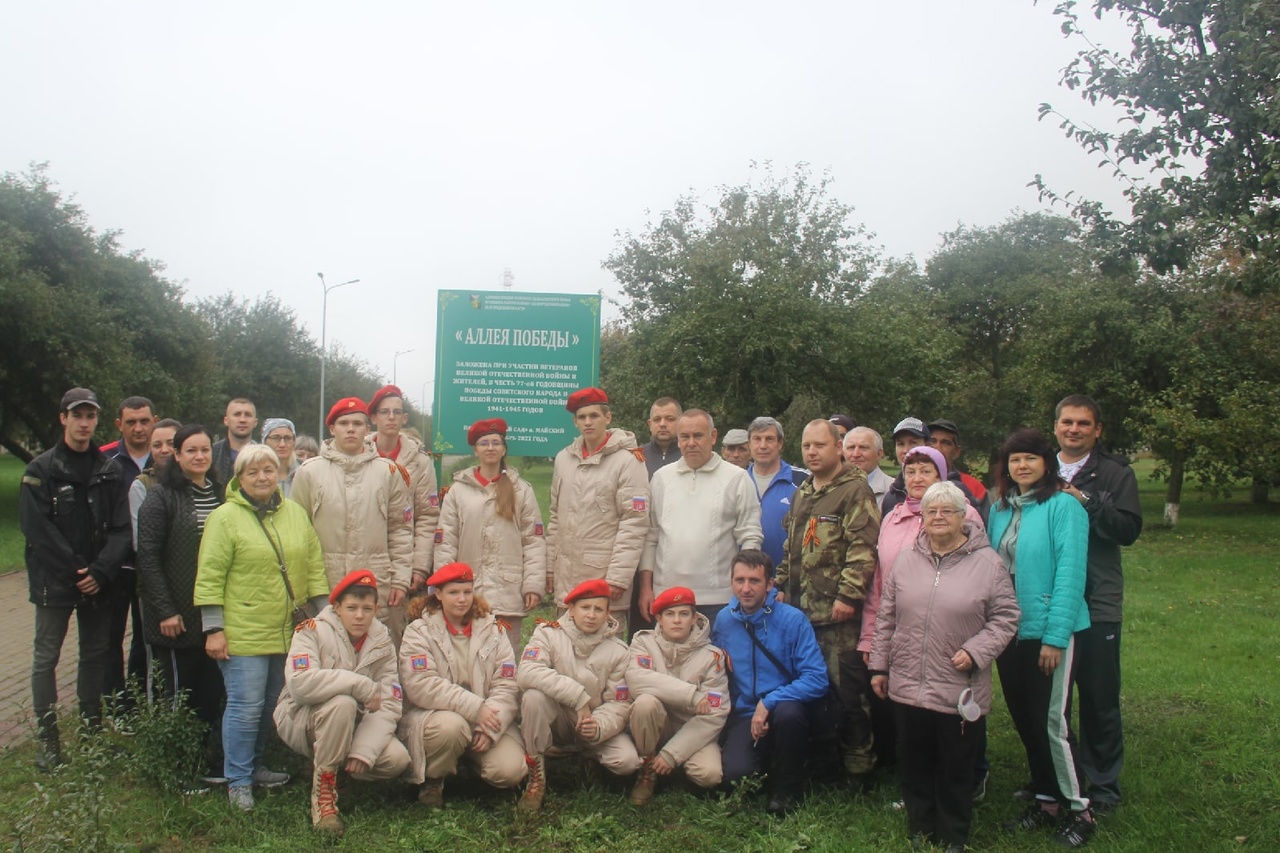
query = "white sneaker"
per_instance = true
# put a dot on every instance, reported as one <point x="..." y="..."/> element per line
<point x="264" y="778"/>
<point x="241" y="796"/>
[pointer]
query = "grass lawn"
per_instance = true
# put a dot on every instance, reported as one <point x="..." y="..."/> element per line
<point x="1202" y="713"/>
<point x="11" y="541"/>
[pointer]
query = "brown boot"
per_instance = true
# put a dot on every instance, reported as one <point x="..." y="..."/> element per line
<point x="536" y="788"/>
<point x="324" y="802"/>
<point x="431" y="794"/>
<point x="646" y="778"/>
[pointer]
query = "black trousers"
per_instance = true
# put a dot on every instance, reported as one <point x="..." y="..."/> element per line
<point x="781" y="753"/>
<point x="1041" y="709"/>
<point x="936" y="753"/>
<point x="124" y="601"/>
<point x="1097" y="679"/>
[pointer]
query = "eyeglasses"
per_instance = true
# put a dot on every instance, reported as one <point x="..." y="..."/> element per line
<point x="488" y="444"/>
<point x="941" y="512"/>
<point x="280" y="439"/>
<point x="393" y="412"/>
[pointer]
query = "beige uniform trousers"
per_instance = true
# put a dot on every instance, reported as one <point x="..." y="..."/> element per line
<point x="330" y="726"/>
<point x="544" y="722"/>
<point x="652" y="725"/>
<point x="446" y="736"/>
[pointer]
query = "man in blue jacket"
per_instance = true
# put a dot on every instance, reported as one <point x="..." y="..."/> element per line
<point x="776" y="678"/>
<point x="775" y="480"/>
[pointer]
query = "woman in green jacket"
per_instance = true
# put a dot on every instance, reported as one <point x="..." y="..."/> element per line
<point x="251" y="544"/>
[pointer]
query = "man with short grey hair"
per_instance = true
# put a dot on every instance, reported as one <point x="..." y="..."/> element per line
<point x="703" y="513"/>
<point x="864" y="448"/>
<point x="775" y="480"/>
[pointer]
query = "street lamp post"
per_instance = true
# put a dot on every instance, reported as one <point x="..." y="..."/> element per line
<point x="426" y="407"/>
<point x="324" y="344"/>
<point x="393" y="363"/>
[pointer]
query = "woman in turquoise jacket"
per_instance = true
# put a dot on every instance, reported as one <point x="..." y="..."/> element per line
<point x="250" y="543"/>
<point x="1042" y="533"/>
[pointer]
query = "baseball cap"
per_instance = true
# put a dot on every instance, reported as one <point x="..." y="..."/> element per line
<point x="915" y="426"/>
<point x="79" y="397"/>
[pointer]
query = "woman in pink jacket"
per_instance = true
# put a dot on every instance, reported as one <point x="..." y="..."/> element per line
<point x="947" y="612"/>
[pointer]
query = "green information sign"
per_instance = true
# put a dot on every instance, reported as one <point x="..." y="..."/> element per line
<point x="515" y="356"/>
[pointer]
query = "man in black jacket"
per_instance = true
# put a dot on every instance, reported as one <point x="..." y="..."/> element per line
<point x="1106" y="487"/>
<point x="74" y="512"/>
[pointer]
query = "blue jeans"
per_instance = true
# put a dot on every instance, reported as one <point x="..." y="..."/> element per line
<point x="253" y="685"/>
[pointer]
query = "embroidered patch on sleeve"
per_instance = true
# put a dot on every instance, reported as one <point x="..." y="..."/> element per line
<point x="530" y="654"/>
<point x="622" y="693"/>
<point x="301" y="662"/>
<point x="439" y="535"/>
<point x="408" y="515"/>
<point x="644" y="661"/>
<point x="537" y="528"/>
<point x="508" y="669"/>
<point x="398" y="693"/>
<point x="418" y="663"/>
<point x="640" y="503"/>
<point x="433" y="500"/>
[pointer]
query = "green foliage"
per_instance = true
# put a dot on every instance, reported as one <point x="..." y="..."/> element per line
<point x="74" y="807"/>
<point x="168" y="742"/>
<point x="1200" y="146"/>
<point x="77" y="310"/>
<point x="740" y="307"/>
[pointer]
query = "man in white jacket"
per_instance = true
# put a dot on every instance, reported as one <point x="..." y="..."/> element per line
<point x="704" y="512"/>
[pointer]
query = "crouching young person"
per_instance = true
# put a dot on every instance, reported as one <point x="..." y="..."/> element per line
<point x="459" y="676"/>
<point x="680" y="686"/>
<point x="341" y="698"/>
<point x="573" y="674"/>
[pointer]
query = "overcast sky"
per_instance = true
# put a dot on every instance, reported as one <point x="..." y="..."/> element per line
<point x="422" y="146"/>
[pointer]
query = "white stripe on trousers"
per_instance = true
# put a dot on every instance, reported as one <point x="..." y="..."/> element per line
<point x="1064" y="764"/>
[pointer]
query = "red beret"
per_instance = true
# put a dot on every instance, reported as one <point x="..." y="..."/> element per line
<point x="346" y="406"/>
<point x="450" y="573"/>
<point x="381" y="394"/>
<point x="479" y="429"/>
<point x="672" y="597"/>
<point x="598" y="588"/>
<point x="586" y="397"/>
<point x="360" y="577"/>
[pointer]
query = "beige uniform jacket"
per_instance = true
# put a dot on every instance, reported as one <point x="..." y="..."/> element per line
<point x="322" y="664"/>
<point x="430" y="671"/>
<point x="599" y="516"/>
<point x="362" y="510"/>
<point x="578" y="670"/>
<point x="681" y="675"/>
<point x="508" y="556"/>
<point x="426" y="501"/>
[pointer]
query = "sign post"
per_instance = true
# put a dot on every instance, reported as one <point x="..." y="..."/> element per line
<point x="515" y="356"/>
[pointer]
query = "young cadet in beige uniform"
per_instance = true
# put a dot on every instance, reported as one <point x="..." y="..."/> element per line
<point x="680" y="685"/>
<point x="491" y="521"/>
<point x="599" y="506"/>
<point x="459" y="674"/>
<point x="341" y="698"/>
<point x="386" y="410"/>
<point x="361" y="507"/>
<point x="573" y="673"/>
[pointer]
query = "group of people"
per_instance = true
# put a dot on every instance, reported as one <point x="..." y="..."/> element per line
<point x="722" y="615"/>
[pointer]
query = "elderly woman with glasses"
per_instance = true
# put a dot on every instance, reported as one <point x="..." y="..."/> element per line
<point x="947" y="611"/>
<point x="280" y="436"/>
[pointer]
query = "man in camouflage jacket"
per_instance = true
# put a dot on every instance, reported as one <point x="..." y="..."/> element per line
<point x="828" y="564"/>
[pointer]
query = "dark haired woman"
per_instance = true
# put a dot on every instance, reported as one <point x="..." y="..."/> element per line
<point x="170" y="526"/>
<point x="1042" y="534"/>
<point x="490" y="520"/>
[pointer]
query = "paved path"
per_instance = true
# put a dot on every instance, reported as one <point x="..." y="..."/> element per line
<point x="17" y="627"/>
